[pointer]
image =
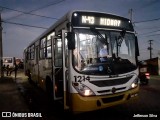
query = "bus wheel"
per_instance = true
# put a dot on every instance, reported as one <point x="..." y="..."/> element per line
<point x="49" y="87"/>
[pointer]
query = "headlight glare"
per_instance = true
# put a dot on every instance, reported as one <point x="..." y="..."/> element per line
<point x="83" y="89"/>
<point x="135" y="83"/>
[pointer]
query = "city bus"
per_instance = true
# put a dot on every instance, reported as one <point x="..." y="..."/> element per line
<point x="65" y="62"/>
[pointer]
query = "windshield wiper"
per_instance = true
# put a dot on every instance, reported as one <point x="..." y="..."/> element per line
<point x="120" y="39"/>
<point x="103" y="40"/>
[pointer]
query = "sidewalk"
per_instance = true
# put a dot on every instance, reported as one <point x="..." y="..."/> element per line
<point x="10" y="98"/>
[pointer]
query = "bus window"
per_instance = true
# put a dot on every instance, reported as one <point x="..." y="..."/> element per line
<point x="43" y="48"/>
<point x="32" y="52"/>
<point x="58" y="52"/>
<point x="48" y="54"/>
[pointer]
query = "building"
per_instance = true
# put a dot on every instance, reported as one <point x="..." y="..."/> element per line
<point x="153" y="66"/>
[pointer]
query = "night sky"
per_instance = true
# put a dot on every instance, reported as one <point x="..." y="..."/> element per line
<point x="37" y="15"/>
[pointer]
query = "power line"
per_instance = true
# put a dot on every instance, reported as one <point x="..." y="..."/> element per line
<point x="147" y="20"/>
<point x="39" y="8"/>
<point x="155" y="49"/>
<point x="143" y="49"/>
<point x="149" y="32"/>
<point x="150" y="3"/>
<point x="50" y="4"/>
<point x="153" y="27"/>
<point x="24" y="24"/>
<point x="153" y="35"/>
<point x="144" y="6"/>
<point x="157" y="42"/>
<point x="28" y="13"/>
<point x="149" y="35"/>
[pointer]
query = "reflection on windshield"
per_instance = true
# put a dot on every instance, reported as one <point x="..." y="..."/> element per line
<point x="111" y="54"/>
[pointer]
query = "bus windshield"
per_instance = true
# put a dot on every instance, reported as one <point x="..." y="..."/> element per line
<point x="102" y="52"/>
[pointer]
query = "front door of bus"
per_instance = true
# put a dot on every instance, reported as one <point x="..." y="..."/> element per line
<point x="60" y="53"/>
<point x="65" y="70"/>
<point x="57" y="68"/>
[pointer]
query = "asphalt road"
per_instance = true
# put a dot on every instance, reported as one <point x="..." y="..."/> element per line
<point x="145" y="107"/>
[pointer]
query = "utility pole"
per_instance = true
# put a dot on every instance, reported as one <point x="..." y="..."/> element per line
<point x="1" y="48"/>
<point x="150" y="48"/>
<point x="130" y="13"/>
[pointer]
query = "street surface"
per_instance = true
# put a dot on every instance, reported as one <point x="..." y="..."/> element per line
<point x="145" y="107"/>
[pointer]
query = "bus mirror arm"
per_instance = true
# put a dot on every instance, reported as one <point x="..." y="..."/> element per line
<point x="137" y="47"/>
<point x="71" y="40"/>
<point x="122" y="33"/>
<point x="136" y="50"/>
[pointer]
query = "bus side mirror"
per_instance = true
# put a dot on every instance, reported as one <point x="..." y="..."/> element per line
<point x="136" y="45"/>
<point x="71" y="40"/>
<point x="122" y="33"/>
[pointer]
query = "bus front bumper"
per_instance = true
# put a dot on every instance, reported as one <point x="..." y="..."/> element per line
<point x="83" y="104"/>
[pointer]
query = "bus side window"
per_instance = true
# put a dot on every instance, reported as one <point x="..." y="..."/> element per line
<point x="58" y="52"/>
<point x="49" y="54"/>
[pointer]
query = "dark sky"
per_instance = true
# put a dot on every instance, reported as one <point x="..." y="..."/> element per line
<point x="44" y="13"/>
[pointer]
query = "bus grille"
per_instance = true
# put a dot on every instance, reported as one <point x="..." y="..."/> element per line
<point x="112" y="99"/>
<point x="112" y="82"/>
<point x="106" y="91"/>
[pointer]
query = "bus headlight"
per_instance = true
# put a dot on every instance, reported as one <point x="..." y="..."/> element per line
<point x="83" y="89"/>
<point x="135" y="83"/>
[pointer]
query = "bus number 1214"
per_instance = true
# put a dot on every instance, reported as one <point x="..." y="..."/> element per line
<point x="81" y="78"/>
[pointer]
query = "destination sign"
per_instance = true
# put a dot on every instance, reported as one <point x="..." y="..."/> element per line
<point x="100" y="20"/>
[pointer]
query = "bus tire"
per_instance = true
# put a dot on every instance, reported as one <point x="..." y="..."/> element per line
<point x="49" y="87"/>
